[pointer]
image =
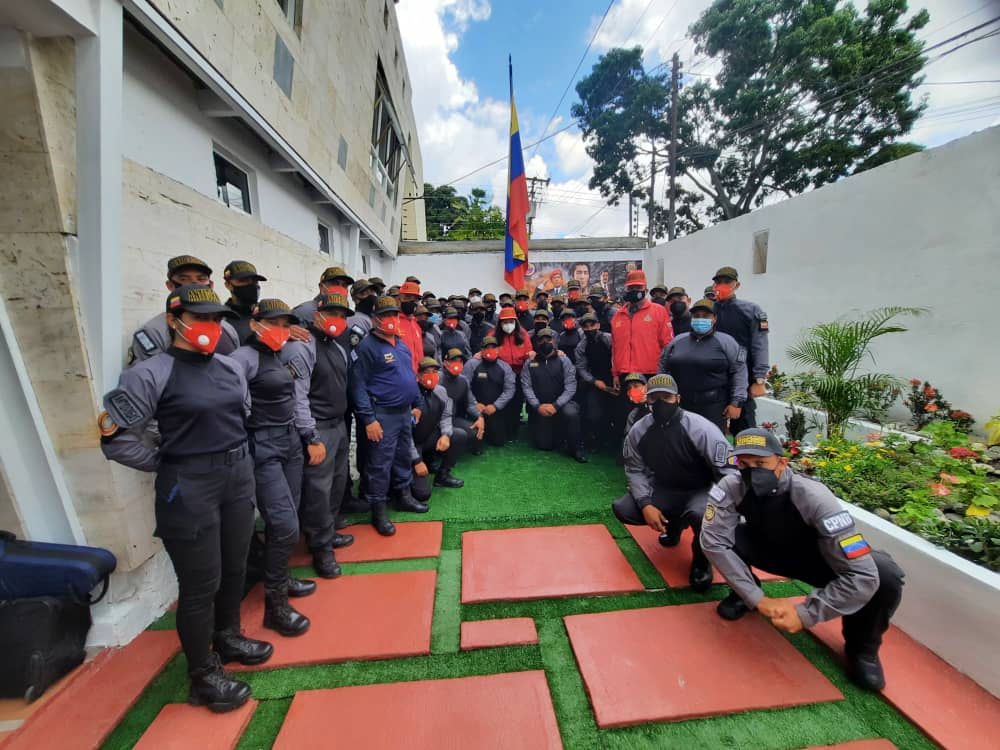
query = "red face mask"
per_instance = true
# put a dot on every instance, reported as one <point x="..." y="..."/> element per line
<point x="389" y="323"/>
<point x="521" y="306"/>
<point x="574" y="295"/>
<point x="490" y="355"/>
<point x="202" y="335"/>
<point x="569" y="324"/>
<point x="456" y="367"/>
<point x="637" y="394"/>
<point x="330" y="325"/>
<point x="723" y="291"/>
<point x="429" y="380"/>
<point x="452" y="323"/>
<point x="273" y="337"/>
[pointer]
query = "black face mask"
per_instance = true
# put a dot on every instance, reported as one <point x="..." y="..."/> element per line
<point x="541" y="325"/>
<point x="545" y="349"/>
<point x="542" y="305"/>
<point x="408" y="308"/>
<point x="478" y="317"/>
<point x="591" y="335"/>
<point x="677" y="309"/>
<point x="763" y="481"/>
<point x="557" y="308"/>
<point x="425" y="325"/>
<point x="460" y="311"/>
<point x="491" y="310"/>
<point x="366" y="305"/>
<point x="247" y="295"/>
<point x="659" y="301"/>
<point x="634" y="296"/>
<point x="663" y="412"/>
<point x="598" y="305"/>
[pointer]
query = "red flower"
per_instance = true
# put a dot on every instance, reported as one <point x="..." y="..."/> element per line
<point x="915" y="382"/>
<point x="939" y="490"/>
<point x="949" y="478"/>
<point x="959" y="414"/>
<point x="929" y="392"/>
<point x="962" y="452"/>
<point x="931" y="407"/>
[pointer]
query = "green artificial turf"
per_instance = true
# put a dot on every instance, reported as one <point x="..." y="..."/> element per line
<point x="516" y="487"/>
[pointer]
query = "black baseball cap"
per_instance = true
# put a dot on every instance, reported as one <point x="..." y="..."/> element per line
<point x="197" y="298"/>
<point x="241" y="269"/>
<point x="757" y="442"/>
<point x="333" y="301"/>
<point x="187" y="261"/>
<point x="267" y="309"/>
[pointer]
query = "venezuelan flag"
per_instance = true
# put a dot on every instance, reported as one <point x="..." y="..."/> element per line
<point x="516" y="238"/>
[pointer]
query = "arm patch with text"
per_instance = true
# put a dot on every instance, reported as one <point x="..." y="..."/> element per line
<point x="297" y="366"/>
<point x="836" y="523"/>
<point x="125" y="411"/>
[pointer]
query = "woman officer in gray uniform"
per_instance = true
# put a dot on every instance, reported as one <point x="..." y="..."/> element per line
<point x="204" y="488"/>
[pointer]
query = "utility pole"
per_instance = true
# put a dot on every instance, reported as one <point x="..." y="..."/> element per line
<point x="536" y="196"/>
<point x="652" y="203"/>
<point x="674" y="82"/>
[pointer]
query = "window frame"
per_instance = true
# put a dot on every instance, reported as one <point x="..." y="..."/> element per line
<point x="387" y="147"/>
<point x="321" y="228"/>
<point x="250" y="194"/>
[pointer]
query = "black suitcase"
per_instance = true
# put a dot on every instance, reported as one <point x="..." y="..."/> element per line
<point x="29" y="569"/>
<point x="41" y="640"/>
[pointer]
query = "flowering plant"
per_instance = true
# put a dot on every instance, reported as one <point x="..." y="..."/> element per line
<point x="927" y="405"/>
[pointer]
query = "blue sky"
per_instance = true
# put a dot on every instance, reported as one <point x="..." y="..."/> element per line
<point x="456" y="53"/>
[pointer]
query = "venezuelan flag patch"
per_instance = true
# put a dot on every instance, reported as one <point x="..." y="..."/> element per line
<point x="854" y="546"/>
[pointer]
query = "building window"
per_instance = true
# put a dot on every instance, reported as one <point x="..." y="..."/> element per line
<point x="284" y="66"/>
<point x="342" y="153"/>
<point x="364" y="265"/>
<point x="324" y="239"/>
<point x="292" y="11"/>
<point x="232" y="185"/>
<point x="386" y="150"/>
<point x="385" y="15"/>
<point x="760" y="251"/>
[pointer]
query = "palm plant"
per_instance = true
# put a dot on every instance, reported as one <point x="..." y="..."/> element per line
<point x="835" y="353"/>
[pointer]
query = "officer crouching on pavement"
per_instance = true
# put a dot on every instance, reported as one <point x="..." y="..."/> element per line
<point x="278" y="426"/>
<point x="796" y="527"/>
<point x="437" y="441"/>
<point x="549" y="384"/>
<point x="672" y="459"/>
<point x="204" y="487"/>
<point x="493" y="386"/>
<point x="710" y="368"/>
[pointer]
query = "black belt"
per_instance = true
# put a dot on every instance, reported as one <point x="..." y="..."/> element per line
<point x="392" y="409"/>
<point x="266" y="432"/>
<point x="713" y="396"/>
<point x="326" y="424"/>
<point x="208" y="460"/>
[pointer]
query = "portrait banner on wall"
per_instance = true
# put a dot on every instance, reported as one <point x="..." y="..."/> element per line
<point x="553" y="277"/>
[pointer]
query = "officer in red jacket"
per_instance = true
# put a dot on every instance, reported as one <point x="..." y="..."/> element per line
<point x="639" y="331"/>
<point x="409" y="328"/>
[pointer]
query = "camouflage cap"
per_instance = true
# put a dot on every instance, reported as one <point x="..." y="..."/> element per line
<point x="266" y="309"/>
<point x="490" y="341"/>
<point x="428" y="362"/>
<point x="589" y="318"/>
<point x="385" y="305"/>
<point x="489" y="297"/>
<point x="241" y="269"/>
<point x="361" y="285"/>
<point x="477" y="305"/>
<point x="540" y="292"/>
<point x="726" y="272"/>
<point x="376" y="281"/>
<point x="557" y="299"/>
<point x="569" y="312"/>
<point x="676" y="290"/>
<point x="336" y="272"/>
<point x="704" y="304"/>
<point x="634" y="377"/>
<point x="659" y="288"/>
<point x="433" y="304"/>
<point x="661" y="384"/>
<point x="573" y="284"/>
<point x="522" y="293"/>
<point x="545" y="332"/>
<point x="413" y="279"/>
<point x="596" y="290"/>
<point x="187" y="261"/>
<point x="505" y="295"/>
<point x="542" y="313"/>
<point x="450" y="313"/>
<point x="197" y="298"/>
<point x="474" y="291"/>
<point x="334" y="301"/>
<point x="421" y="310"/>
<point x="394" y="289"/>
<point x="454" y="354"/>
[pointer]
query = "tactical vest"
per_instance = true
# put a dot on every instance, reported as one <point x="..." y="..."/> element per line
<point x="328" y="389"/>
<point x="599" y="360"/>
<point x="547" y="379"/>
<point x="782" y="541"/>
<point x="429" y="419"/>
<point x="673" y="458"/>
<point x="272" y="392"/>
<point x="487" y="382"/>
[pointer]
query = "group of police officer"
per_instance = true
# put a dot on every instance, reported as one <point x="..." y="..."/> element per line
<point x="426" y="379"/>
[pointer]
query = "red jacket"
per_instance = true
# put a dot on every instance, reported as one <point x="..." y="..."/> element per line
<point x="513" y="354"/>
<point x="413" y="336"/>
<point x="637" y="340"/>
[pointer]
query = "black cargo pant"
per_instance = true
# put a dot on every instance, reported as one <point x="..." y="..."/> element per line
<point x="747" y="419"/>
<point x="277" y="458"/>
<point x="323" y="486"/>
<point x="600" y="409"/>
<point x="862" y="630"/>
<point x="549" y="433"/>
<point x="711" y="405"/>
<point x="473" y="443"/>
<point x="205" y="516"/>
<point x="678" y="507"/>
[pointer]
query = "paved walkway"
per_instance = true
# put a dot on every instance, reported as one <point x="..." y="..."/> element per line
<point x="479" y="632"/>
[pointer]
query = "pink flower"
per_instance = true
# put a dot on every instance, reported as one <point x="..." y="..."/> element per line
<point x="915" y="382"/>
<point x="949" y="478"/>
<point x="931" y="407"/>
<point x="939" y="490"/>
<point x="962" y="452"/>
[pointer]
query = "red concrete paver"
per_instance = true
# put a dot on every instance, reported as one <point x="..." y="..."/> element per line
<point x="500" y="711"/>
<point x="85" y="712"/>
<point x="510" y="631"/>
<point x="182" y="727"/>
<point x="15" y="711"/>
<point x="513" y="564"/>
<point x="380" y="616"/>
<point x="674" y="563"/>
<point x="673" y="663"/>
<point x="857" y="745"/>
<point x="949" y="707"/>
<point x="412" y="540"/>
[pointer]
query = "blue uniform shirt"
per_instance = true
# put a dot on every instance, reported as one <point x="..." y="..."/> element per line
<point x="382" y="374"/>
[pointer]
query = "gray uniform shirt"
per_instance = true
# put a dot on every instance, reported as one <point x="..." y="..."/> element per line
<point x="857" y="579"/>
<point x="509" y="382"/>
<point x="582" y="365"/>
<point x="692" y="348"/>
<point x="154" y="337"/>
<point x="569" y="382"/>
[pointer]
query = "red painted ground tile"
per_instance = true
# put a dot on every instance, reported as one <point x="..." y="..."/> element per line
<point x="379" y="616"/>
<point x="512" y="564"/>
<point x="677" y="674"/>
<point x="949" y="707"/>
<point x="674" y="563"/>
<point x="858" y="745"/>
<point x="182" y="727"/>
<point x="412" y="540"/>
<point x="511" y="631"/>
<point x="500" y="711"/>
<point x="83" y="714"/>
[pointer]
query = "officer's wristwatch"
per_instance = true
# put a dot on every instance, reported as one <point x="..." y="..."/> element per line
<point x="760" y="381"/>
<point x="314" y="439"/>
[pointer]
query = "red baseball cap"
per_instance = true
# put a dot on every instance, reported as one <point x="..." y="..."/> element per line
<point x="410" y="287"/>
<point x="635" y="278"/>
<point x="508" y="313"/>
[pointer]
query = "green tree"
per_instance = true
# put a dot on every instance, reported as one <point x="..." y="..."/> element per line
<point x="456" y="217"/>
<point x="443" y="208"/>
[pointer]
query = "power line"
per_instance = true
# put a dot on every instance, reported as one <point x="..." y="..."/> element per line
<point x="957" y="83"/>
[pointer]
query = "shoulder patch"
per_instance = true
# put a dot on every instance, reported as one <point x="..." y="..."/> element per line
<point x="126" y="411"/>
<point x="297" y="366"/>
<point x="762" y="320"/>
<point x="716" y="493"/>
<point x="837" y="522"/>
<point x="854" y="546"/>
<point x="145" y="342"/>
<point x="741" y="356"/>
<point x="709" y="513"/>
<point x="721" y="456"/>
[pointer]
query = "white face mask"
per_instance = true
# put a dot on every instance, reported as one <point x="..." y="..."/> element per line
<point x="509" y="327"/>
<point x="475" y="298"/>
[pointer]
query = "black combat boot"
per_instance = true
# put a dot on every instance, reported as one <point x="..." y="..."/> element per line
<point x="342" y="540"/>
<point x="380" y="520"/>
<point x="299" y="587"/>
<point x="325" y="564"/>
<point x="280" y="616"/>
<point x="865" y="670"/>
<point x="700" y="577"/>
<point x="407" y="502"/>
<point x="732" y="607"/>
<point x="579" y="456"/>
<point x="232" y="645"/>
<point x="444" y="479"/>
<point x="213" y="688"/>
<point x="672" y="536"/>
<point x="355" y="505"/>
<point x="342" y="522"/>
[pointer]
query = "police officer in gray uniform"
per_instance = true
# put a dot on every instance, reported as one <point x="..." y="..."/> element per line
<point x="243" y="283"/>
<point x="204" y="488"/>
<point x="333" y="279"/>
<point x="327" y="365"/>
<point x="593" y="366"/>
<point x="672" y="459"/>
<point x="493" y="385"/>
<point x="154" y="337"/>
<point x="709" y="366"/>
<point x="748" y="324"/>
<point x="435" y="437"/>
<point x="549" y="384"/>
<point x="795" y="527"/>
<point x="280" y="424"/>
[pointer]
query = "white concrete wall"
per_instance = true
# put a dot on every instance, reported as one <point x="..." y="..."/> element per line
<point x="456" y="272"/>
<point x="165" y="130"/>
<point x="921" y="231"/>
